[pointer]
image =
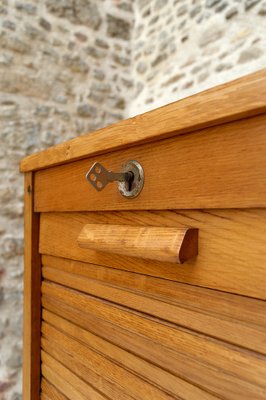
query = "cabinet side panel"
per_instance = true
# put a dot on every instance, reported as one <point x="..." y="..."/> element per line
<point x="32" y="297"/>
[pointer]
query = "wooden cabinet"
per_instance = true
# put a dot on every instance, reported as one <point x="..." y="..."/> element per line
<point x="161" y="296"/>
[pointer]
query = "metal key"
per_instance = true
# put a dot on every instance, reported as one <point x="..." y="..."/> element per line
<point x="99" y="177"/>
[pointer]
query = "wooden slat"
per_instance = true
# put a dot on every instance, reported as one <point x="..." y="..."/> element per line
<point x="252" y="337"/>
<point x="230" y="364"/>
<point x="224" y="305"/>
<point x="66" y="382"/>
<point x="241" y="98"/>
<point x="168" y="382"/>
<point x="220" y="167"/>
<point x="177" y="363"/>
<point x="175" y="245"/>
<point x="84" y="372"/>
<point x="49" y="391"/>
<point x="225" y="261"/>
<point x="111" y="371"/>
<point x="32" y="302"/>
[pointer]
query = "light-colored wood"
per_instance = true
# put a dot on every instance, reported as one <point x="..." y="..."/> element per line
<point x="50" y="391"/>
<point x="161" y="378"/>
<point x="130" y="382"/>
<point x="245" y="310"/>
<point x="225" y="261"/>
<point x="204" y="375"/>
<point x="241" y="98"/>
<point x="32" y="296"/>
<point x="252" y="337"/>
<point x="220" y="167"/>
<point x="213" y="365"/>
<point x="66" y="382"/>
<point x="106" y="387"/>
<point x="175" y="245"/>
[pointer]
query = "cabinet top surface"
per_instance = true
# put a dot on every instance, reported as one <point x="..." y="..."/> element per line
<point x="241" y="98"/>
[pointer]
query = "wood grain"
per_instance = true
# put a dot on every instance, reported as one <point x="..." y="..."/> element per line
<point x="212" y="365"/>
<point x="32" y="296"/>
<point x="49" y="391"/>
<point x="152" y="373"/>
<point x="241" y="98"/>
<point x="84" y="372"/>
<point x="225" y="262"/>
<point x="252" y="337"/>
<point x="131" y="383"/>
<point x="220" y="167"/>
<point x="66" y="382"/>
<point x="224" y="305"/>
<point x="175" y="245"/>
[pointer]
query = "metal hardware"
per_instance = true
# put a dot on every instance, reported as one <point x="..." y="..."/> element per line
<point x="130" y="179"/>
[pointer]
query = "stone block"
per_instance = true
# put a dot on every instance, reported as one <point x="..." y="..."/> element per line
<point x="118" y="28"/>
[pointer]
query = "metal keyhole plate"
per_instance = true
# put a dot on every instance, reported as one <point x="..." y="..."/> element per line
<point x="136" y="184"/>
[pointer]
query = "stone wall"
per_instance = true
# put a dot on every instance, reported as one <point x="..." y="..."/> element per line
<point x="180" y="47"/>
<point x="69" y="67"/>
<point x="64" y="70"/>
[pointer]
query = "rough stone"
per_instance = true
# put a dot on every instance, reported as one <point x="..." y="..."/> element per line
<point x="118" y="28"/>
<point x="9" y="25"/>
<point x="211" y="35"/>
<point x="142" y="67"/>
<point x="26" y="7"/>
<point x="212" y="3"/>
<point x="45" y="24"/>
<point x="250" y="54"/>
<point x="195" y="11"/>
<point x="250" y="3"/>
<point x="75" y="63"/>
<point x="182" y="10"/>
<point x="95" y="53"/>
<point x="86" y="111"/>
<point x="83" y="12"/>
<point x="81" y="36"/>
<point x="231" y="12"/>
<point x="262" y="10"/>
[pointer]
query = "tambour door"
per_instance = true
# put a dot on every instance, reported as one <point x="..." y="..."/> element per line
<point x="127" y="327"/>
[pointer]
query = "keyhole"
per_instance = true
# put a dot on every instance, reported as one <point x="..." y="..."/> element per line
<point x="129" y="180"/>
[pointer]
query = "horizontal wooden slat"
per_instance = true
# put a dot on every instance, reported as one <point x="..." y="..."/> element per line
<point x="220" y="167"/>
<point x="222" y="304"/>
<point x="177" y="363"/>
<point x="49" y="391"/>
<point x="168" y="382"/>
<point x="225" y="261"/>
<point x="66" y="382"/>
<point x="238" y="99"/>
<point x="84" y="372"/>
<point x="252" y="337"/>
<point x="229" y="364"/>
<point x="131" y="383"/>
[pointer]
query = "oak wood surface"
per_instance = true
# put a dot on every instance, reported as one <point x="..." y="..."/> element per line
<point x="49" y="391"/>
<point x="66" y="382"/>
<point x="152" y="373"/>
<point x="213" y="365"/>
<point x="131" y="383"/>
<point x="231" y="255"/>
<point x="154" y="243"/>
<point x="241" y="98"/>
<point x="252" y="337"/>
<point x="32" y="296"/>
<point x="245" y="310"/>
<point x="219" y="167"/>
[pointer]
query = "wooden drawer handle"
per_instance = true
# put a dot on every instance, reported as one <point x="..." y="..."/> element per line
<point x="156" y="243"/>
